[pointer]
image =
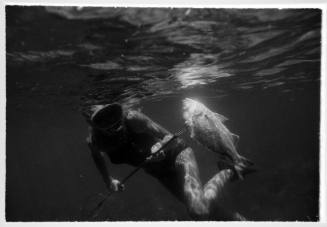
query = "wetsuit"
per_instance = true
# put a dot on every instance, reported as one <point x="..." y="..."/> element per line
<point x="133" y="145"/>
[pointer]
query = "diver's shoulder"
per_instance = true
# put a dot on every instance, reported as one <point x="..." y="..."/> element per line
<point x="134" y="114"/>
<point x="136" y="121"/>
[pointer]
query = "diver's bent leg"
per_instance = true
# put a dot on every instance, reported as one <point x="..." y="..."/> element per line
<point x="213" y="188"/>
<point x="193" y="195"/>
<point x="200" y="200"/>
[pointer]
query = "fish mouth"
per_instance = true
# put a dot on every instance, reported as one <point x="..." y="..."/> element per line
<point x="189" y="104"/>
<point x="184" y="105"/>
<point x="186" y="109"/>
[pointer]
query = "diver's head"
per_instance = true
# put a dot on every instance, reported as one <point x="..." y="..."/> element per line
<point x="108" y="118"/>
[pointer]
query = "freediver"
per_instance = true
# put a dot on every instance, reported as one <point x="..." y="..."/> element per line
<point x="130" y="137"/>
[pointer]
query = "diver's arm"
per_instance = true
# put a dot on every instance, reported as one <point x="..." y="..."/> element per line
<point x="98" y="157"/>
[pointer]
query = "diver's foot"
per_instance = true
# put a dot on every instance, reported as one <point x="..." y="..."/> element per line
<point x="239" y="217"/>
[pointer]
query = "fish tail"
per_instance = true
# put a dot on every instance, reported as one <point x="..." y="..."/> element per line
<point x="243" y="167"/>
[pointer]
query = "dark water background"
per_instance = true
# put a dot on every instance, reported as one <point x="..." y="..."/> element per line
<point x="258" y="67"/>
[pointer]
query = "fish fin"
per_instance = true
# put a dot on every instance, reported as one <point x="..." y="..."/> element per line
<point x="236" y="138"/>
<point x="221" y="117"/>
<point x="243" y="167"/>
<point x="224" y="162"/>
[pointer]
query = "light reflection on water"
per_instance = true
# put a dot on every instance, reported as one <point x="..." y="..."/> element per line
<point x="163" y="51"/>
<point x="198" y="69"/>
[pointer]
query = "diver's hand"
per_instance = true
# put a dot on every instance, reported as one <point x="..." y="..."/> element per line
<point x="115" y="185"/>
<point x="158" y="156"/>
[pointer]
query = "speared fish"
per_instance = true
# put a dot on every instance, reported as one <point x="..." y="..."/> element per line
<point x="208" y="129"/>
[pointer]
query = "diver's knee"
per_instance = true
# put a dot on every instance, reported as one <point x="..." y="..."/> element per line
<point x="199" y="210"/>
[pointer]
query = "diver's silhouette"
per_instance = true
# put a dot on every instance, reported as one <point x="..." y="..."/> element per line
<point x="128" y="136"/>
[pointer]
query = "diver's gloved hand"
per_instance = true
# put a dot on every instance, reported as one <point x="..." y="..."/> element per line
<point x="155" y="155"/>
<point x="115" y="185"/>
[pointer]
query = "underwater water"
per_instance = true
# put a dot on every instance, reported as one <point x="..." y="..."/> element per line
<point x="258" y="67"/>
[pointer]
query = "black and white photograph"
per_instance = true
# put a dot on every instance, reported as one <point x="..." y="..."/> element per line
<point x="162" y="113"/>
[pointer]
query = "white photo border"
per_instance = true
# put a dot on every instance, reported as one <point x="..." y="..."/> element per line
<point x="321" y="4"/>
